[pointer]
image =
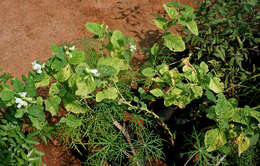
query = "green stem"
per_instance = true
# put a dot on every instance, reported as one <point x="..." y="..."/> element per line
<point x="149" y="112"/>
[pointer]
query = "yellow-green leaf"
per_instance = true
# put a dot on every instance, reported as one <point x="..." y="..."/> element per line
<point x="214" y="139"/>
<point x="216" y="85"/>
<point x="243" y="143"/>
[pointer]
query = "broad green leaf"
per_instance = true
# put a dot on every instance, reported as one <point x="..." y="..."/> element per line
<point x="174" y="42"/>
<point x="19" y="113"/>
<point x="109" y="66"/>
<point x="214" y="139"/>
<point x="149" y="72"/>
<point x="243" y="143"/>
<point x="192" y="26"/>
<point x="81" y="69"/>
<point x="71" y="121"/>
<point x="160" y="22"/>
<point x="38" y="124"/>
<point x="17" y="85"/>
<point x="94" y="28"/>
<point x="197" y="90"/>
<point x="163" y="68"/>
<point x="240" y="115"/>
<point x="43" y="82"/>
<point x="72" y="105"/>
<point x="36" y="111"/>
<point x="107" y="71"/>
<point x="110" y="93"/>
<point x="210" y="96"/>
<point x="57" y="89"/>
<point x="6" y="95"/>
<point x="118" y="39"/>
<point x="172" y="12"/>
<point x="30" y="88"/>
<point x="216" y="85"/>
<point x="224" y="109"/>
<point x="58" y="64"/>
<point x="77" y="57"/>
<point x="190" y="74"/>
<point x="255" y="114"/>
<point x="204" y="69"/>
<point x="85" y="87"/>
<point x="58" y="51"/>
<point x="155" y="49"/>
<point x="64" y="74"/>
<point x="52" y="105"/>
<point x="157" y="92"/>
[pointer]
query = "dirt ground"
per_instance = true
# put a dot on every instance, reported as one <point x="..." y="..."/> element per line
<point x="28" y="27"/>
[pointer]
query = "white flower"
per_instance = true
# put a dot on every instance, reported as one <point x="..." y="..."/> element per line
<point x="22" y="94"/>
<point x="132" y="48"/>
<point x="37" y="67"/>
<point x="72" y="48"/>
<point x="20" y="103"/>
<point x="95" y="72"/>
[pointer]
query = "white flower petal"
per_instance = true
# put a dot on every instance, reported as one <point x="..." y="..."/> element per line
<point x="22" y="94"/>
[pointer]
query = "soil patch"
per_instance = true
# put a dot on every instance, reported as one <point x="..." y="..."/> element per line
<point x="27" y="29"/>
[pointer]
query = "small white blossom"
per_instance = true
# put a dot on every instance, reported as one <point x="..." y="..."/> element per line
<point x="20" y="103"/>
<point x="37" y="67"/>
<point x="95" y="72"/>
<point x="72" y="48"/>
<point x="22" y="94"/>
<point x="132" y="48"/>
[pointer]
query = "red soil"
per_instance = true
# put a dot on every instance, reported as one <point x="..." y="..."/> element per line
<point x="27" y="29"/>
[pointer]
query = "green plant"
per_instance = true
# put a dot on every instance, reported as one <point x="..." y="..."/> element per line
<point x="229" y="41"/>
<point x="17" y="144"/>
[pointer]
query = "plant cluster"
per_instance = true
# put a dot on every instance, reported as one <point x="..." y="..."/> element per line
<point x="110" y="117"/>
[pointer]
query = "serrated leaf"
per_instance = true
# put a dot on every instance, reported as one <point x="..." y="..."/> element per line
<point x="94" y="28"/>
<point x="6" y="95"/>
<point x="110" y="93"/>
<point x="157" y="92"/>
<point x="17" y="85"/>
<point x="243" y="143"/>
<point x="172" y="12"/>
<point x="174" y="42"/>
<point x="52" y="105"/>
<point x="19" y="113"/>
<point x="149" y="72"/>
<point x="214" y="139"/>
<point x="216" y="85"/>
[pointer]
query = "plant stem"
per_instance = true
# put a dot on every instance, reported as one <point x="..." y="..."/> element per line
<point x="190" y="158"/>
<point x="222" y="158"/>
<point x="149" y="112"/>
<point x="127" y="136"/>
